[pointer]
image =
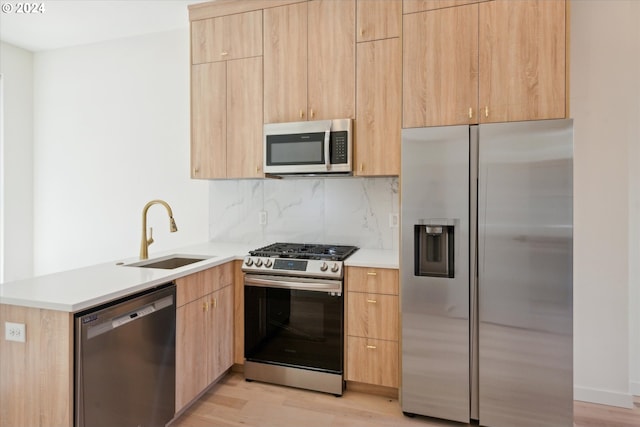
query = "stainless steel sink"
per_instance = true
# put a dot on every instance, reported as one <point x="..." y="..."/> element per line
<point x="169" y="262"/>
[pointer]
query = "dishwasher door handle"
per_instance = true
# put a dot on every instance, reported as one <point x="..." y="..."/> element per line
<point x="116" y="322"/>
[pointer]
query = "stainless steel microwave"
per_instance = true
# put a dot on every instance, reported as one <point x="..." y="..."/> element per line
<point x="308" y="148"/>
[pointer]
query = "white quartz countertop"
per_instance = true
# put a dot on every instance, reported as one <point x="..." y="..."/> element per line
<point x="373" y="258"/>
<point x="77" y="290"/>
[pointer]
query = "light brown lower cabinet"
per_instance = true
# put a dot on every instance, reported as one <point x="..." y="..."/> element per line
<point x="238" y="313"/>
<point x="191" y="361"/>
<point x="36" y="377"/>
<point x="372" y="361"/>
<point x="204" y="331"/>
<point x="372" y="319"/>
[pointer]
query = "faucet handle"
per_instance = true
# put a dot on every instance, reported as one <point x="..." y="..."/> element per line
<point x="150" y="239"/>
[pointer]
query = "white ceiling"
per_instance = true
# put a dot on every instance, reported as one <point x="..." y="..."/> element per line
<point x="64" y="23"/>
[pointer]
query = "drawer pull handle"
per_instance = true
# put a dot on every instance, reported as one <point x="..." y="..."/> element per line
<point x="371" y="273"/>
<point x="205" y="306"/>
<point x="224" y="53"/>
<point x="372" y="301"/>
<point x="371" y="347"/>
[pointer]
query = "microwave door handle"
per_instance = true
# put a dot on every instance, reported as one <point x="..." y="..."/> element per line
<point x="327" y="139"/>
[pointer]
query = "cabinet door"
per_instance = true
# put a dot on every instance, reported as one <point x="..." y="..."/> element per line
<point x="522" y="60"/>
<point x="372" y="280"/>
<point x="412" y="6"/>
<point x="226" y="37"/>
<point x="208" y="120"/>
<point x="244" y="118"/>
<point x="221" y="332"/>
<point x="378" y="19"/>
<point x="440" y="67"/>
<point x="191" y="357"/>
<point x="373" y="361"/>
<point x="379" y="87"/>
<point x="331" y="59"/>
<point x="372" y="316"/>
<point x="285" y="63"/>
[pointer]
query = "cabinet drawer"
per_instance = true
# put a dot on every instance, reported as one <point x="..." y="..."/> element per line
<point x="372" y="361"/>
<point x="226" y="37"/>
<point x="372" y="316"/>
<point x="373" y="280"/>
<point x="220" y="276"/>
<point x="190" y="288"/>
<point x="197" y="285"/>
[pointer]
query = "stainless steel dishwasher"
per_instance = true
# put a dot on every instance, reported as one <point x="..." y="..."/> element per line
<point x="125" y="361"/>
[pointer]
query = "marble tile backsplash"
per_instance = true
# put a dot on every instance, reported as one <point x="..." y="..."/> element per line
<point x="350" y="211"/>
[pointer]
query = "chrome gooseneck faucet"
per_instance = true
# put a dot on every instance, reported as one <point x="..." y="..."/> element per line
<point x="144" y="244"/>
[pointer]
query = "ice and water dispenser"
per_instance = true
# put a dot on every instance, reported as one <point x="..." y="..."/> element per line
<point x="434" y="250"/>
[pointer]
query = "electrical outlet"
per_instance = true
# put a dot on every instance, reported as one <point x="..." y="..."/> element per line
<point x="262" y="218"/>
<point x="15" y="331"/>
<point x="393" y="220"/>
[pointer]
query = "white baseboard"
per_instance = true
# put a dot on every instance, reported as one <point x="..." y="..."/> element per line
<point x="603" y="397"/>
<point x="634" y="386"/>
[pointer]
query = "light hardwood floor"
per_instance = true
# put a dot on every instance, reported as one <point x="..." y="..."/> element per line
<point x="234" y="402"/>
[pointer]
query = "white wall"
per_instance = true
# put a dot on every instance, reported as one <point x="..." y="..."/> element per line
<point x="605" y="65"/>
<point x="16" y="163"/>
<point x="111" y="133"/>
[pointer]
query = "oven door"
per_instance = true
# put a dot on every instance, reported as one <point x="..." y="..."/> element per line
<point x="294" y="322"/>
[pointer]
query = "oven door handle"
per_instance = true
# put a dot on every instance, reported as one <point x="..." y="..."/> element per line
<point x="276" y="282"/>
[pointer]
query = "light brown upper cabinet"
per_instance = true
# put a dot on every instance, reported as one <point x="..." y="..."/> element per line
<point x="226" y="37"/>
<point x="493" y="61"/>
<point x="309" y="61"/>
<point x="226" y="119"/>
<point x="522" y="60"/>
<point x="412" y="6"/>
<point x="378" y="19"/>
<point x="226" y="96"/>
<point x="208" y="120"/>
<point x="244" y="118"/>
<point x="440" y="60"/>
<point x="379" y="106"/>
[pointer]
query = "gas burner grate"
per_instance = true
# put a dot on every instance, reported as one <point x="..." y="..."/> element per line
<point x="306" y="251"/>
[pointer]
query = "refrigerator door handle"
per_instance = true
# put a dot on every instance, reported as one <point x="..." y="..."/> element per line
<point x="473" y="273"/>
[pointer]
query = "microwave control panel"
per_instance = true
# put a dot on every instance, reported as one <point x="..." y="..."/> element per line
<point x="338" y="147"/>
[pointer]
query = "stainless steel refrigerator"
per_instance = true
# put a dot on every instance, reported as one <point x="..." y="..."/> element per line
<point x="487" y="273"/>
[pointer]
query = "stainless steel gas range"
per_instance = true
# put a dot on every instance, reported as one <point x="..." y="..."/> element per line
<point x="294" y="315"/>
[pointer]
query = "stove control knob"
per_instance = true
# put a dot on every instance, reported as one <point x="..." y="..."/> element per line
<point x="268" y="263"/>
<point x="324" y="266"/>
<point x="335" y="268"/>
<point x="258" y="262"/>
<point x="248" y="262"/>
